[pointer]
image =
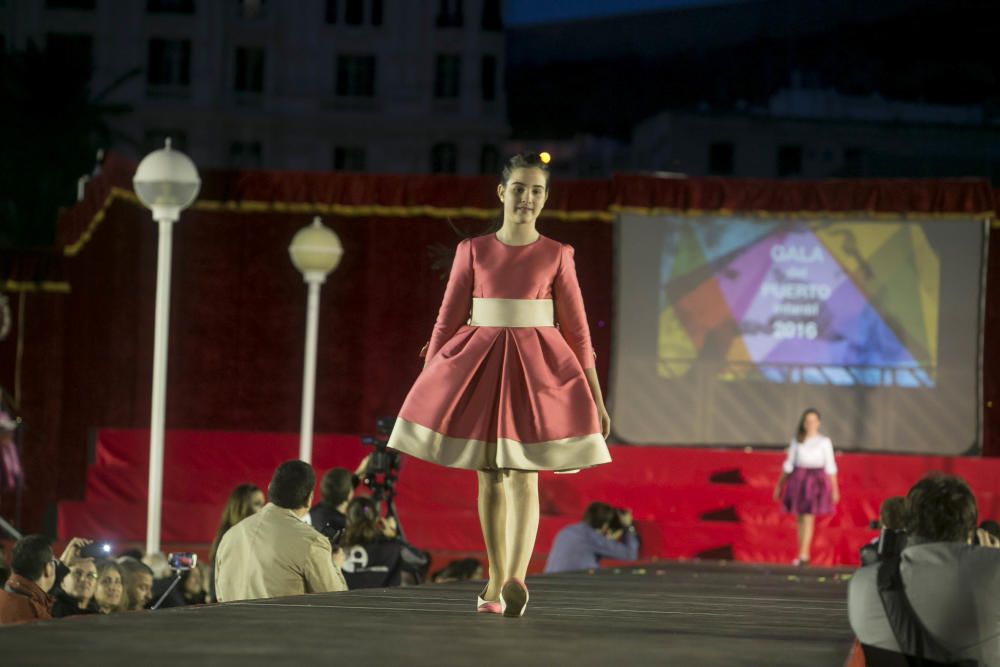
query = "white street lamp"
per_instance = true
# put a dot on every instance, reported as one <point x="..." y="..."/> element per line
<point x="166" y="182"/>
<point x="315" y="251"/>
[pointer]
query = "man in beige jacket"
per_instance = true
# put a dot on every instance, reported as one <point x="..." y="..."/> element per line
<point x="274" y="553"/>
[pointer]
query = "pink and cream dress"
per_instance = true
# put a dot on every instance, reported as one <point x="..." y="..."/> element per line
<point x="504" y="387"/>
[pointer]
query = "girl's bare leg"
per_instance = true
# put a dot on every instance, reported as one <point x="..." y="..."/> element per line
<point x="521" y="491"/>
<point x="493" y="520"/>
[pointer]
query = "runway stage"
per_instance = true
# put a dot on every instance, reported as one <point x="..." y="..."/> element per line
<point x="658" y="614"/>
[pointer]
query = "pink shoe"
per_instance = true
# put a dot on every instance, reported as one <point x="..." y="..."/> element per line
<point x="513" y="598"/>
<point x="486" y="607"/>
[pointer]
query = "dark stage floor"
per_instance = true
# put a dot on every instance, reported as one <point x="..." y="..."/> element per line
<point x="659" y="614"/>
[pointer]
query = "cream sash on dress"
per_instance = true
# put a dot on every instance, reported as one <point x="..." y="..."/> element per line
<point x="512" y="313"/>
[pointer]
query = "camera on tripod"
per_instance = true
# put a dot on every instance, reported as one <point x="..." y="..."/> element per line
<point x="382" y="471"/>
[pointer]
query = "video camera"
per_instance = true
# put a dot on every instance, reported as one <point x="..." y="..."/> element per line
<point x="890" y="543"/>
<point x="382" y="471"/>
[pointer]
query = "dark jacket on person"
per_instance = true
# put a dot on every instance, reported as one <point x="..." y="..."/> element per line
<point x="66" y="605"/>
<point x="327" y="520"/>
<point x="22" y="601"/>
<point x="381" y="564"/>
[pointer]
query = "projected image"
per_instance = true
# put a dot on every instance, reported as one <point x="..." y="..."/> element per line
<point x="832" y="303"/>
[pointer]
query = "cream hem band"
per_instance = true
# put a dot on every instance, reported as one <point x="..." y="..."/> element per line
<point x="565" y="454"/>
<point x="512" y="313"/>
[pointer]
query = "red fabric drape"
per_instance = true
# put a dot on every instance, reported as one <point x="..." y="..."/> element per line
<point x="237" y="306"/>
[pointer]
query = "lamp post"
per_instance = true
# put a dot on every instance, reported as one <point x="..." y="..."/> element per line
<point x="166" y="182"/>
<point x="315" y="252"/>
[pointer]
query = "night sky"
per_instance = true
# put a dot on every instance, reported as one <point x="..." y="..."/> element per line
<point x="524" y="12"/>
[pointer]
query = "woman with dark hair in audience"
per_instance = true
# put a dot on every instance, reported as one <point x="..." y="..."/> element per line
<point x="245" y="500"/>
<point x="109" y="596"/>
<point x="193" y="586"/>
<point x="808" y="486"/>
<point x="376" y="557"/>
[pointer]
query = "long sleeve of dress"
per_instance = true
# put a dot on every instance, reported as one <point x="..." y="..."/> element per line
<point x="457" y="302"/>
<point x="789" y="465"/>
<point x="830" y="462"/>
<point x="570" y="313"/>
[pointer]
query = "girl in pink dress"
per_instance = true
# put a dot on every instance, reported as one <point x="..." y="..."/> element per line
<point x="509" y="385"/>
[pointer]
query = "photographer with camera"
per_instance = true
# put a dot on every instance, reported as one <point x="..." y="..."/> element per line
<point x="274" y="552"/>
<point x="336" y="489"/>
<point x="891" y="525"/>
<point x="605" y="532"/>
<point x="939" y="599"/>
<point x="376" y="555"/>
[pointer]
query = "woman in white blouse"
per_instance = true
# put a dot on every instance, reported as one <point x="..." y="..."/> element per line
<point x="808" y="486"/>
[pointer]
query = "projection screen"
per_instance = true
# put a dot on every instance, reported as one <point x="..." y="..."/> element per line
<point x="727" y="327"/>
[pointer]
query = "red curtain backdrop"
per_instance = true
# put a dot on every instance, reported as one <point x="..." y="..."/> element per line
<point x="238" y="305"/>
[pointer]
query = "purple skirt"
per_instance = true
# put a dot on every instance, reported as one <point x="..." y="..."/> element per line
<point x="807" y="491"/>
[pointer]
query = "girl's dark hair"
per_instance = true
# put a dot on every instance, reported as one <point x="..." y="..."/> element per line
<point x="238" y="507"/>
<point x="516" y="161"/>
<point x="800" y="433"/>
<point x="362" y="522"/>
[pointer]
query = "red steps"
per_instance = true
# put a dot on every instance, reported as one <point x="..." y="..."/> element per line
<point x="670" y="489"/>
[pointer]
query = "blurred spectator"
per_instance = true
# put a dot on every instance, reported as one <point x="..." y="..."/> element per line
<point x="110" y="593"/>
<point x="245" y="500"/>
<point x="605" y="532"/>
<point x="459" y="570"/>
<point x="336" y="489"/>
<point x="11" y="472"/>
<point x="138" y="581"/>
<point x="134" y="554"/>
<point x="274" y="553"/>
<point x="991" y="527"/>
<point x="192" y="586"/>
<point x="25" y="596"/>
<point x="891" y="517"/>
<point x="74" y="595"/>
<point x="376" y="556"/>
<point x="163" y="577"/>
<point x="951" y="586"/>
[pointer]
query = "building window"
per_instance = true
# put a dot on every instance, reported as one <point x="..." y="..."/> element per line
<point x="169" y="62"/>
<point x="348" y="158"/>
<point x="789" y="160"/>
<point x="488" y="78"/>
<point x="489" y="160"/>
<point x="71" y="4"/>
<point x="720" y="158"/>
<point x="249" y="70"/>
<point x="444" y="158"/>
<point x="355" y="76"/>
<point x="251" y="10"/>
<point x="354" y="14"/>
<point x="492" y="20"/>
<point x="170" y="6"/>
<point x="156" y="139"/>
<point x="245" y="154"/>
<point x="75" y="50"/>
<point x="331" y="11"/>
<point x="449" y="14"/>
<point x="447" y="75"/>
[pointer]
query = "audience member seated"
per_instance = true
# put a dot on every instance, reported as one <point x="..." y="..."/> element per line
<point x="459" y="570"/>
<point x="192" y="586"/>
<point x="110" y="593"/>
<point x="163" y="578"/>
<point x="274" y="553"/>
<point x="891" y="516"/>
<point x="951" y="585"/>
<point x="138" y="580"/>
<point x="376" y="557"/>
<point x="245" y="500"/>
<point x="605" y="532"/>
<point x="336" y="490"/>
<point x="25" y="597"/>
<point x="74" y="595"/>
